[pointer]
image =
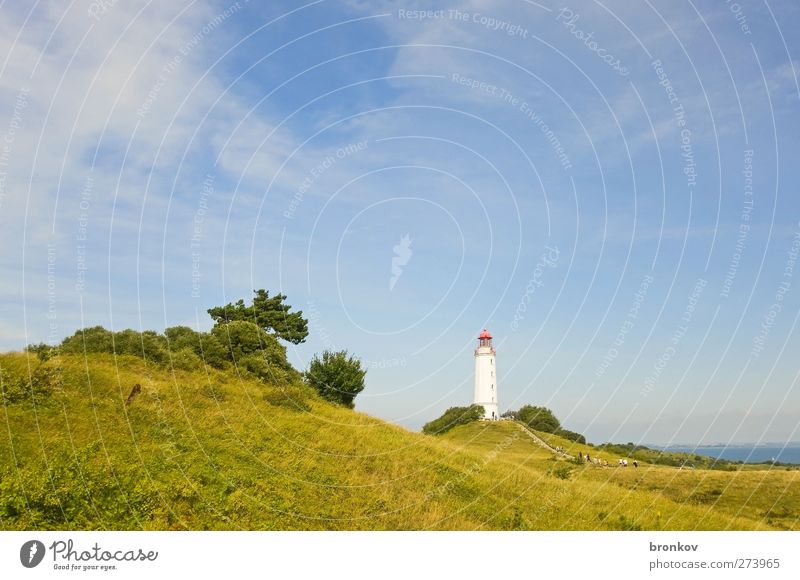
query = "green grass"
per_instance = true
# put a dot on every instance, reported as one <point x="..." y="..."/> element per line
<point x="207" y="449"/>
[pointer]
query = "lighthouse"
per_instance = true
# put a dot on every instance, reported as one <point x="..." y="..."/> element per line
<point x="486" y="376"/>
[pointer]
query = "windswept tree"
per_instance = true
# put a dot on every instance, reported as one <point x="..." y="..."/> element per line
<point x="269" y="313"/>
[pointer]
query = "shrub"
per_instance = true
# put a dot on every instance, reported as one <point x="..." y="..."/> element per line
<point x="212" y="351"/>
<point x="539" y="418"/>
<point x="186" y="360"/>
<point x="179" y="337"/>
<point x="94" y="339"/>
<point x="337" y="377"/>
<point x="148" y="344"/>
<point x="241" y="338"/>
<point x="452" y="417"/>
<point x="561" y="471"/>
<point x="259" y="365"/>
<point x="204" y="344"/>
<point x="42" y="350"/>
<point x="571" y="435"/>
<point x="20" y="385"/>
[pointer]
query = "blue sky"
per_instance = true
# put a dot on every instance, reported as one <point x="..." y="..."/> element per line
<point x="608" y="187"/>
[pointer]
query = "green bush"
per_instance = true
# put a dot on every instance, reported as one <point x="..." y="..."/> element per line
<point x="186" y="360"/>
<point x="571" y="435"/>
<point x="42" y="350"/>
<point x="19" y="384"/>
<point x="94" y="339"/>
<point x="239" y="342"/>
<point x="336" y="376"/>
<point x="179" y="337"/>
<point x="539" y="418"/>
<point x="212" y="351"/>
<point x="241" y="338"/>
<point x="148" y="344"/>
<point x="260" y="366"/>
<point x="204" y="344"/>
<point x="452" y="417"/>
<point x="561" y="471"/>
<point x="543" y="419"/>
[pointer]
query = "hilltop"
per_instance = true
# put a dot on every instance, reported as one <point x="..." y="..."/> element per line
<point x="207" y="448"/>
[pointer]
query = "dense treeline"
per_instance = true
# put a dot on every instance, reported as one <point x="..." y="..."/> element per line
<point x="537" y="418"/>
<point x="238" y="343"/>
<point x="453" y="417"/>
<point x="244" y="337"/>
<point x="543" y="419"/>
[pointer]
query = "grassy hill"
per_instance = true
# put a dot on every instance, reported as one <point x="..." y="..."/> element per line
<point x="209" y="449"/>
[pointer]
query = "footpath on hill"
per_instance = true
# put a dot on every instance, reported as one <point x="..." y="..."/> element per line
<point x="541" y="442"/>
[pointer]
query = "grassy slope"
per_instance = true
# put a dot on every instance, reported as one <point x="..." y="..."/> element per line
<point x="761" y="492"/>
<point x="210" y="450"/>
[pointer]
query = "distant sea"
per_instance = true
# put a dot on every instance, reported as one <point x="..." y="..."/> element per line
<point x="789" y="453"/>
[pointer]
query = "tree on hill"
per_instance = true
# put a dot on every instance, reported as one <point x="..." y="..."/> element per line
<point x="337" y="376"/>
<point x="270" y="313"/>
<point x="453" y="417"/>
<point x="571" y="435"/>
<point x="539" y="418"/>
<point x="253" y="349"/>
<point x="240" y="342"/>
<point x="543" y="419"/>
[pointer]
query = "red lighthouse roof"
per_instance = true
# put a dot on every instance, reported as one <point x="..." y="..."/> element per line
<point x="484" y="334"/>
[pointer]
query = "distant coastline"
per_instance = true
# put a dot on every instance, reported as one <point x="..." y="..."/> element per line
<point x="747" y="453"/>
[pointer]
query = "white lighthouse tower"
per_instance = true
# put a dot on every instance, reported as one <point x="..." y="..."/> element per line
<point x="486" y="376"/>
